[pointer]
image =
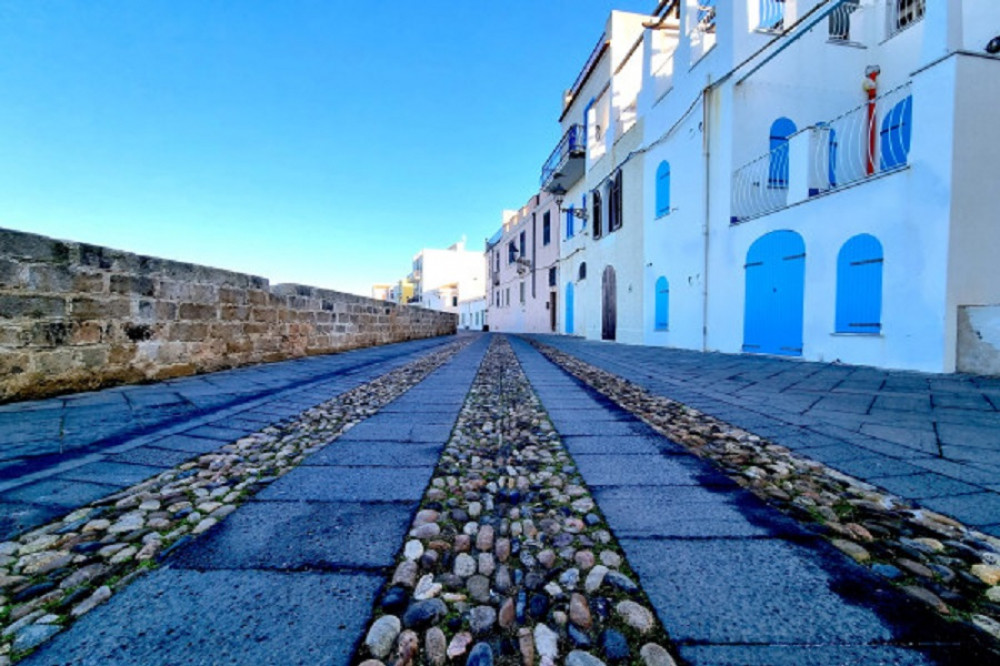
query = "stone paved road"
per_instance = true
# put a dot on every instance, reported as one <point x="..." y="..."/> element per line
<point x="61" y="453"/>
<point x="933" y="439"/>
<point x="290" y="577"/>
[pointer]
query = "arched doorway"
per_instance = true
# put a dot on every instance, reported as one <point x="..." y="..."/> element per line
<point x="609" y="308"/>
<point x="775" y="289"/>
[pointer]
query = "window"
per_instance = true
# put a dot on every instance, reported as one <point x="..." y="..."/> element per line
<point x="895" y="134"/>
<point x="582" y="272"/>
<point x="595" y="205"/>
<point x="859" y="286"/>
<point x="507" y="296"/>
<point x="522" y="245"/>
<point x="615" y="203"/>
<point x="777" y="175"/>
<point x="706" y="15"/>
<point x="522" y="292"/>
<point x="569" y="221"/>
<point x="661" y="320"/>
<point x="552" y="276"/>
<point x="496" y="256"/>
<point x="663" y="189"/>
<point x="454" y="301"/>
<point x="904" y="13"/>
<point x="546" y="228"/>
<point x="511" y="252"/>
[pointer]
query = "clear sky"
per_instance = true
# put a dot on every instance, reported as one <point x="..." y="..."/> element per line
<point x="323" y="142"/>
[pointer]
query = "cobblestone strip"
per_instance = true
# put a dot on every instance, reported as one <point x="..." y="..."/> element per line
<point x="933" y="558"/>
<point x="56" y="573"/>
<point x="509" y="560"/>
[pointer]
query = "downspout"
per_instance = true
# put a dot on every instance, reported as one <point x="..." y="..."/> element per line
<point x="706" y="156"/>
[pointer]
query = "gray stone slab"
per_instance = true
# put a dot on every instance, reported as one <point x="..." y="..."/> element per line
<point x="971" y="454"/>
<point x="61" y="493"/>
<point x="299" y="536"/>
<point x="956" y="470"/>
<point x="832" y="454"/>
<point x="975" y="509"/>
<point x="153" y="456"/>
<point x="964" y="400"/>
<point x="111" y="473"/>
<point x="376" y="454"/>
<point x="690" y="512"/>
<point x="969" y="435"/>
<point x="637" y="470"/>
<point x="902" y="403"/>
<point x="619" y="445"/>
<point x="415" y="431"/>
<point x="19" y="517"/>
<point x="875" y="466"/>
<point x="602" y="428"/>
<point x="757" y="591"/>
<point x="350" y="484"/>
<point x="919" y="486"/>
<point x="221" y="618"/>
<point x="218" y="432"/>
<point x="189" y="444"/>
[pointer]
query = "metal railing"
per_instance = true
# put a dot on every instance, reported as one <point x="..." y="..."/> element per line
<point x="572" y="144"/>
<point x="904" y="13"/>
<point x="871" y="139"/>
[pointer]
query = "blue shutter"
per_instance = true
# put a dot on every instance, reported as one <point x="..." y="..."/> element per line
<point x="569" y="308"/>
<point x="663" y="189"/>
<point x="775" y="291"/>
<point x="662" y="304"/>
<point x="859" y="286"/>
<point x="569" y="221"/>
<point x="895" y="134"/>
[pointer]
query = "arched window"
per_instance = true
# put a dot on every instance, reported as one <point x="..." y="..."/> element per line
<point x="895" y="134"/>
<point x="582" y="273"/>
<point x="781" y="129"/>
<point x="663" y="189"/>
<point x="859" y="285"/>
<point x="595" y="212"/>
<point x="662" y="305"/>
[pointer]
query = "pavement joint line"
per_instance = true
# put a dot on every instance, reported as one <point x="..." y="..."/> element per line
<point x="509" y="554"/>
<point x="202" y="492"/>
<point x="895" y="532"/>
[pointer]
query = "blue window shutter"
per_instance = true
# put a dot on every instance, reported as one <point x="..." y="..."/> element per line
<point x="859" y="286"/>
<point x="569" y="221"/>
<point x="663" y="189"/>
<point x="895" y="134"/>
<point x="662" y="304"/>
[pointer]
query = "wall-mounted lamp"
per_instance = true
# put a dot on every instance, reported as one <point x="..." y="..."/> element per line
<point x="993" y="47"/>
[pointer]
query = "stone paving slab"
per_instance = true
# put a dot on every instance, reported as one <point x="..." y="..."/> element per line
<point x="301" y="536"/>
<point x="372" y="453"/>
<point x="930" y="428"/>
<point x="222" y="617"/>
<point x="64" y="493"/>
<point x="620" y="445"/>
<point x="733" y="579"/>
<point x="111" y="473"/>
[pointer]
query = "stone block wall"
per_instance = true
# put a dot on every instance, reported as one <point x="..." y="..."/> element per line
<point x="979" y="339"/>
<point x="75" y="317"/>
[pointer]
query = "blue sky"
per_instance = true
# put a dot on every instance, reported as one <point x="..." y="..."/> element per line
<point x="320" y="142"/>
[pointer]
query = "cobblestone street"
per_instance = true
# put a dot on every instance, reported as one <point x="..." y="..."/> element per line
<point x="501" y="500"/>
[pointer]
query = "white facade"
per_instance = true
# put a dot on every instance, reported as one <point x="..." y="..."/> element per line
<point x="522" y="262"/>
<point x="777" y="205"/>
<point x="472" y="315"/>
<point x="442" y="278"/>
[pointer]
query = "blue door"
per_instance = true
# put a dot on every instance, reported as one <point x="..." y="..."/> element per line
<point x="775" y="288"/>
<point x="569" y="308"/>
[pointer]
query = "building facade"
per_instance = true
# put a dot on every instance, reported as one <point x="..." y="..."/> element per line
<point x="807" y="179"/>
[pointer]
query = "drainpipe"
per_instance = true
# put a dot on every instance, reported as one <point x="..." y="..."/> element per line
<point x="706" y="155"/>
<point x="871" y="87"/>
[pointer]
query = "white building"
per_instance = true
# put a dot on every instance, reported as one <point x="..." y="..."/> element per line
<point x="472" y="315"/>
<point x="815" y="179"/>
<point x="442" y="278"/>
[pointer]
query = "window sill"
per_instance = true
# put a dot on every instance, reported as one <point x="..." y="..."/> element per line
<point x="661" y="330"/>
<point x="847" y="334"/>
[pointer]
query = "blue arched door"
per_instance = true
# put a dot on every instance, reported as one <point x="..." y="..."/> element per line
<point x="775" y="288"/>
<point x="569" y="308"/>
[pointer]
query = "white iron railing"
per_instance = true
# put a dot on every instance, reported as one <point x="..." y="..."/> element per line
<point x="772" y="14"/>
<point x="871" y="139"/>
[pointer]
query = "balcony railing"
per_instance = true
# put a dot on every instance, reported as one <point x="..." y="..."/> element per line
<point x="559" y="168"/>
<point x="772" y="14"/>
<point x="869" y="140"/>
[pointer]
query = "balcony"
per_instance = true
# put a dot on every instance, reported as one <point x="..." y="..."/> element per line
<point x="565" y="165"/>
<point x="870" y="140"/>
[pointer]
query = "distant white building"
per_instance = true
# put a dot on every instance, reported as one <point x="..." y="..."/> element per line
<point x="813" y="178"/>
<point x="442" y="278"/>
<point x="472" y="315"/>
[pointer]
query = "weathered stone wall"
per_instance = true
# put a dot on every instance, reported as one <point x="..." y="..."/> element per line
<point x="75" y="316"/>
<point x="979" y="339"/>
